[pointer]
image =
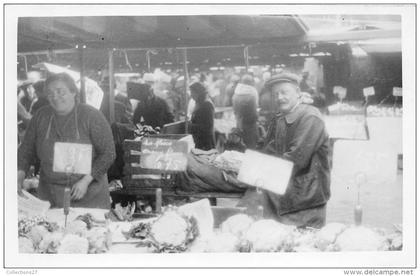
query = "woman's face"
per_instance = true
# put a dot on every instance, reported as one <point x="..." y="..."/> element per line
<point x="60" y="97"/>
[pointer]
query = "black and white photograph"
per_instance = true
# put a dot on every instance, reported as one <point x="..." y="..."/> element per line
<point x="210" y="135"/>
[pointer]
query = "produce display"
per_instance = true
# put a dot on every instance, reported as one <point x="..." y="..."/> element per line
<point x="242" y="233"/>
<point x="171" y="232"/>
<point x="145" y="131"/>
<point x="229" y="161"/>
<point x="344" y="108"/>
<point x="383" y="111"/>
<point x="189" y="228"/>
<point x="83" y="235"/>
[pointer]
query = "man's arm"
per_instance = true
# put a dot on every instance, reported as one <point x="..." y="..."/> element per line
<point x="309" y="136"/>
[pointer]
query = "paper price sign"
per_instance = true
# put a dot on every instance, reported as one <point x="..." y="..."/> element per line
<point x="368" y="91"/>
<point x="74" y="155"/>
<point x="397" y="91"/>
<point x="340" y="91"/>
<point x="265" y="171"/>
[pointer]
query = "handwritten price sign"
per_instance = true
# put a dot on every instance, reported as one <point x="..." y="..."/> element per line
<point x="163" y="154"/>
<point x="368" y="91"/>
<point x="397" y="92"/>
<point x="74" y="155"/>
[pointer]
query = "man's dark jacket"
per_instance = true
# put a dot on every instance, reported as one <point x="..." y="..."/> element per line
<point x="300" y="136"/>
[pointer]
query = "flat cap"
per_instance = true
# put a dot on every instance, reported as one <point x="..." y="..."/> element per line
<point x="283" y="77"/>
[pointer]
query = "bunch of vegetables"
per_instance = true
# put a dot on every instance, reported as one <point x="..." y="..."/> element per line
<point x="241" y="233"/>
<point x="171" y="232"/>
<point x="83" y="235"/>
<point x="378" y="111"/>
<point x="145" y="131"/>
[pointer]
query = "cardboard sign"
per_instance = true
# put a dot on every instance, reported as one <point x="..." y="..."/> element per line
<point x="76" y="156"/>
<point x="265" y="171"/>
<point x="368" y="91"/>
<point x="163" y="155"/>
<point x="397" y="91"/>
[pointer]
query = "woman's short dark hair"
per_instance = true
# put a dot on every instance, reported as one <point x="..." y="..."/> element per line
<point x="200" y="89"/>
<point x="64" y="77"/>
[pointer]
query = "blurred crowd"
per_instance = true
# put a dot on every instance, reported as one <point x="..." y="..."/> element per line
<point x="160" y="98"/>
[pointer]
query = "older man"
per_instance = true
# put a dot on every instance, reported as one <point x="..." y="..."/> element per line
<point x="298" y="134"/>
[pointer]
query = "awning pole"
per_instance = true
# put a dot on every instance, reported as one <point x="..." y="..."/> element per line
<point x="246" y="57"/>
<point x="186" y="81"/>
<point x="111" y="85"/>
<point x="26" y="64"/>
<point x="82" y="74"/>
<point x="148" y="60"/>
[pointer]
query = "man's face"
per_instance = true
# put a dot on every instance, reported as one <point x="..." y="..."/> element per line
<point x="286" y="95"/>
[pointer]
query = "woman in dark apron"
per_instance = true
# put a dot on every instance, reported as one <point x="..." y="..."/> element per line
<point x="67" y="120"/>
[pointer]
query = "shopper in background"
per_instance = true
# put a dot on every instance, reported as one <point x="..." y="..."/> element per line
<point x="202" y="120"/>
<point x="152" y="110"/>
<point x="245" y="103"/>
<point x="230" y="89"/>
<point x="41" y="96"/>
<point x="304" y="84"/>
<point x="122" y="105"/>
<point x="26" y="95"/>
<point x="67" y="120"/>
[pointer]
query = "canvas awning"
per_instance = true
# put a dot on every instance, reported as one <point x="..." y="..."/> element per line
<point x="43" y="33"/>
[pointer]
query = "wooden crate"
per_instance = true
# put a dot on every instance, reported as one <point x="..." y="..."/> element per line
<point x="140" y="181"/>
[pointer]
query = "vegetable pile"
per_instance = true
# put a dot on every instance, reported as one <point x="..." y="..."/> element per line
<point x="81" y="236"/>
<point x="171" y="232"/>
<point x="378" y="111"/>
<point x="241" y="233"/>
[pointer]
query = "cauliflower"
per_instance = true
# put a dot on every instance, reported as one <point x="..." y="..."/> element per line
<point x="73" y="244"/>
<point x="76" y="227"/>
<point x="99" y="240"/>
<point x="237" y="225"/>
<point x="304" y="242"/>
<point x="396" y="242"/>
<point x="198" y="246"/>
<point x="223" y="242"/>
<point x="50" y="242"/>
<point x="328" y="234"/>
<point x="26" y="245"/>
<point x="359" y="238"/>
<point x="268" y="235"/>
<point x="170" y="228"/>
<point x="37" y="233"/>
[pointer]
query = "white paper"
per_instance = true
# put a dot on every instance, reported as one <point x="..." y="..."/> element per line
<point x="340" y="91"/>
<point x="368" y="91"/>
<point x="397" y="92"/>
<point x="265" y="171"/>
<point x="74" y="155"/>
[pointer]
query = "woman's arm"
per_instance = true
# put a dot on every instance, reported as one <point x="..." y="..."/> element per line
<point x="103" y="144"/>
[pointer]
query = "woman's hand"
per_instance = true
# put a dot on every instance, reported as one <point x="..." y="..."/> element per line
<point x="79" y="189"/>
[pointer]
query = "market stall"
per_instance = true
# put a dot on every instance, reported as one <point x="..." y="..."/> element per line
<point x="153" y="170"/>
